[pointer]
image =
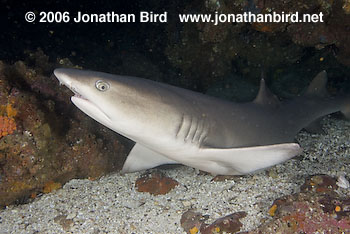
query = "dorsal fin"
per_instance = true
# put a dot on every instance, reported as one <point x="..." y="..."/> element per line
<point x="317" y="87"/>
<point x="265" y="96"/>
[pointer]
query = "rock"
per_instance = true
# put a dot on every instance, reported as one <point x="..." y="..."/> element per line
<point x="155" y="183"/>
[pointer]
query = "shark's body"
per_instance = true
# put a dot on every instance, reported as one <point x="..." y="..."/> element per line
<point x="175" y="125"/>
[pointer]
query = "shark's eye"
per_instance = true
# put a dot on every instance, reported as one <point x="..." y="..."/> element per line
<point x="102" y="85"/>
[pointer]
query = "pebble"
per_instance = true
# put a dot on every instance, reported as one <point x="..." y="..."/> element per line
<point x="186" y="203"/>
<point x="71" y="216"/>
<point x="343" y="182"/>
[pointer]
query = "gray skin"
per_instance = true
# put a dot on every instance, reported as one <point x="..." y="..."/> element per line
<point x="155" y="113"/>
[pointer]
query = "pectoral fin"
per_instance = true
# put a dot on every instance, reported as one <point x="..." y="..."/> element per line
<point x="237" y="161"/>
<point x="141" y="158"/>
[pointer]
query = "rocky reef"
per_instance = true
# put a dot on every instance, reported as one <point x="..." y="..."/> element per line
<point x="205" y="52"/>
<point x="44" y="140"/>
<point x="318" y="208"/>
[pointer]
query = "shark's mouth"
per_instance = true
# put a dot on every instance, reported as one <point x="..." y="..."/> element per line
<point x="82" y="102"/>
<point x="78" y="95"/>
<point x="64" y="80"/>
<point x="91" y="109"/>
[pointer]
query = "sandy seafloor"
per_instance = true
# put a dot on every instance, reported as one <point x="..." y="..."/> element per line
<point x="112" y="204"/>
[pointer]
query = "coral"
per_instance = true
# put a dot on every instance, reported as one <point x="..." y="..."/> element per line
<point x="18" y="186"/>
<point x="39" y="59"/>
<point x="7" y="121"/>
<point x="346" y="6"/>
<point x="319" y="183"/>
<point x="265" y="27"/>
<point x="194" y="230"/>
<point x="155" y="183"/>
<point x="7" y="126"/>
<point x="205" y="53"/>
<point x="318" y="35"/>
<point x="272" y="210"/>
<point x="194" y="222"/>
<point x="333" y="31"/>
<point x="316" y="209"/>
<point x="51" y="140"/>
<point x="227" y="224"/>
<point x="11" y="112"/>
<point x="51" y="186"/>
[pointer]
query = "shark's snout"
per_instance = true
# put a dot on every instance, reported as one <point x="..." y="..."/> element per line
<point x="67" y="79"/>
<point x="63" y="77"/>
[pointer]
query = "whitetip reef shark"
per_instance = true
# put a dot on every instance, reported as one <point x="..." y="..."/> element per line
<point x="174" y="125"/>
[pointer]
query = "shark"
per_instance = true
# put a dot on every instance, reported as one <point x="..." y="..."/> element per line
<point x="172" y="125"/>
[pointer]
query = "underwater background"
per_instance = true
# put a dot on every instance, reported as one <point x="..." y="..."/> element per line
<point x="45" y="141"/>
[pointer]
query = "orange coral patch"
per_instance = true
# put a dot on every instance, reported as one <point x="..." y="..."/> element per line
<point x="11" y="112"/>
<point x="51" y="186"/>
<point x="7" y="125"/>
<point x="272" y="210"/>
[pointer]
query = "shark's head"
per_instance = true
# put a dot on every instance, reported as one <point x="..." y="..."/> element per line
<point x="91" y="92"/>
<point x="126" y="105"/>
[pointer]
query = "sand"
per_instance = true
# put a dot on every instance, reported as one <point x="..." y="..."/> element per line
<point x="112" y="204"/>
